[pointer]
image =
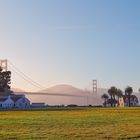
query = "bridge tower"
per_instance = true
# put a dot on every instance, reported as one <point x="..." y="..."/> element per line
<point x="95" y="86"/>
<point x="4" y="64"/>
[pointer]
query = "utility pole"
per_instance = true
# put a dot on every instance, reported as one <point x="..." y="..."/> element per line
<point x="4" y="64"/>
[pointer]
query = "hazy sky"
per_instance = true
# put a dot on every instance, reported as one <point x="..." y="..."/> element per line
<point x="72" y="41"/>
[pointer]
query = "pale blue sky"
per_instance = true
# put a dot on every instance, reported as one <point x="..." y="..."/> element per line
<point x="72" y="41"/>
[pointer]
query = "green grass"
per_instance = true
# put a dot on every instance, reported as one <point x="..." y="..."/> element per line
<point x="71" y="124"/>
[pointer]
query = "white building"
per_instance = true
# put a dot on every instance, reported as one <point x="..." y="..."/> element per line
<point x="121" y="102"/>
<point x="6" y="102"/>
<point x="124" y="101"/>
<point x="20" y="101"/>
<point x="14" y="101"/>
<point x="133" y="100"/>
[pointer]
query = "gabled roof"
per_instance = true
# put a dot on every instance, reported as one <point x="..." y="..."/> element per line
<point x="2" y="94"/>
<point x="3" y="99"/>
<point x="5" y="93"/>
<point x="16" y="97"/>
<point x="13" y="97"/>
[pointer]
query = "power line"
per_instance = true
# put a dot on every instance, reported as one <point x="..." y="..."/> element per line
<point x="25" y="77"/>
<point x="37" y="85"/>
<point x="44" y="93"/>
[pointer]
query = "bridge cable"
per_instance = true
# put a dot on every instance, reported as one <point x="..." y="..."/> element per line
<point x="24" y="76"/>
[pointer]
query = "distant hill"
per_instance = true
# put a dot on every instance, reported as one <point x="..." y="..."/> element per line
<point x="67" y="89"/>
<point x="89" y="96"/>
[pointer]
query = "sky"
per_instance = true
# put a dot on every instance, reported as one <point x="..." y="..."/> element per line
<point x="72" y="42"/>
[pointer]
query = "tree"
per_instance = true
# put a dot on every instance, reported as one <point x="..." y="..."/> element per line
<point x="119" y="94"/>
<point x="5" y="80"/>
<point x="112" y="92"/>
<point x="105" y="97"/>
<point x="128" y="92"/>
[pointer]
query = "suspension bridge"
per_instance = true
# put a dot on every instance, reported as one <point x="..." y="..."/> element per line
<point x="6" y="64"/>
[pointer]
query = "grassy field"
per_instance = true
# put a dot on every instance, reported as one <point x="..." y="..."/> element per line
<point x="71" y="124"/>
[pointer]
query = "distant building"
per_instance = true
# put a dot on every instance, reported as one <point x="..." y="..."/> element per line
<point x="133" y="100"/>
<point x="38" y="105"/>
<point x="121" y="102"/>
<point x="20" y="101"/>
<point x="124" y="101"/>
<point x="72" y="105"/>
<point x="8" y="101"/>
